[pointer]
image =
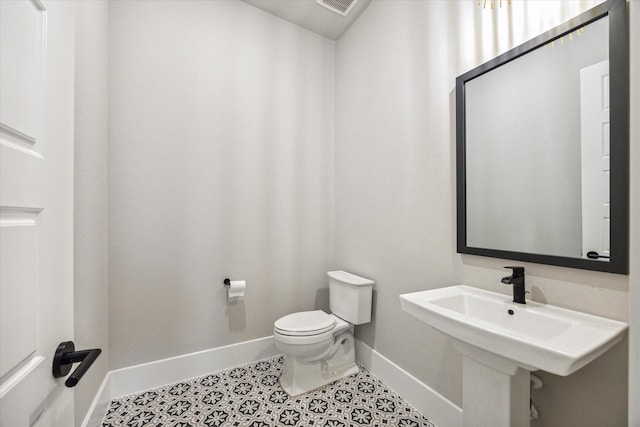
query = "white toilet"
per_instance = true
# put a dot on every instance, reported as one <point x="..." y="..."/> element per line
<point x="319" y="347"/>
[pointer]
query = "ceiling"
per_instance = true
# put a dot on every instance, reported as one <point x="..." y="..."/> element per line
<point x="310" y="15"/>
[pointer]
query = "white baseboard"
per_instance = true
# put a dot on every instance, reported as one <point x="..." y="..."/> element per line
<point x="133" y="379"/>
<point x="100" y="404"/>
<point x="426" y="400"/>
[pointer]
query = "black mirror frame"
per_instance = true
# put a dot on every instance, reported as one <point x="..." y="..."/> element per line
<point x="616" y="10"/>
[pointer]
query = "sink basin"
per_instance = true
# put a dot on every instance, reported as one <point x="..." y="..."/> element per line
<point x="533" y="335"/>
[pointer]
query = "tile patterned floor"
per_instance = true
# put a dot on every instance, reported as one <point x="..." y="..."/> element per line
<point x="250" y="395"/>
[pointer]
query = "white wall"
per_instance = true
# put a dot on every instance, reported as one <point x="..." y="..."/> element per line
<point x="395" y="210"/>
<point x="221" y="165"/>
<point x="181" y="225"/>
<point x="634" y="277"/>
<point x="393" y="176"/>
<point x="597" y="394"/>
<point x="90" y="204"/>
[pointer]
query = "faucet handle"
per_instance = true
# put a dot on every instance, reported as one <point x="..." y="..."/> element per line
<point x="517" y="280"/>
<point x="518" y="271"/>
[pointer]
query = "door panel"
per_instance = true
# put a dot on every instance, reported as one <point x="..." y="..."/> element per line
<point x="21" y="36"/>
<point x="594" y="118"/>
<point x="36" y="208"/>
<point x="18" y="249"/>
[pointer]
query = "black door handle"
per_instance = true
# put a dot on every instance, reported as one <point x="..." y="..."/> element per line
<point x="66" y="356"/>
<point x="596" y="255"/>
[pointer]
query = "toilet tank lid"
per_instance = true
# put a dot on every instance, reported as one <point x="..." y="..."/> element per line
<point x="349" y="278"/>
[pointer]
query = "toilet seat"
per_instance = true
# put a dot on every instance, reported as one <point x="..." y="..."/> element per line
<point x="305" y="323"/>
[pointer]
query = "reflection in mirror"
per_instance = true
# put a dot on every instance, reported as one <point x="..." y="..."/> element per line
<point x="523" y="147"/>
<point x="542" y="148"/>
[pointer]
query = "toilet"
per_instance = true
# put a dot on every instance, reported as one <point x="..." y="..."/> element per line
<point x="319" y="347"/>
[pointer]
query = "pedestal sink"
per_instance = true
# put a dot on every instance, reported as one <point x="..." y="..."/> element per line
<point x="502" y="341"/>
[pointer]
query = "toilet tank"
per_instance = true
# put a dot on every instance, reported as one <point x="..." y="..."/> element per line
<point x="350" y="297"/>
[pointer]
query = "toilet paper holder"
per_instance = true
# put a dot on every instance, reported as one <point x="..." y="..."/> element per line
<point x="235" y="288"/>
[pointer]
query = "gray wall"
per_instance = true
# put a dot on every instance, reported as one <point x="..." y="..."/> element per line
<point x="221" y="165"/>
<point x="395" y="117"/>
<point x="90" y="203"/>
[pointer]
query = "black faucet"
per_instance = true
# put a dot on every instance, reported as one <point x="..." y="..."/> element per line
<point x="517" y="280"/>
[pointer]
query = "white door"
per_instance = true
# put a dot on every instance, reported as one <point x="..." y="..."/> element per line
<point x="594" y="131"/>
<point x="37" y="41"/>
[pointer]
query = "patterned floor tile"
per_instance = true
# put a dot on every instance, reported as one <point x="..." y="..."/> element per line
<point x="250" y="396"/>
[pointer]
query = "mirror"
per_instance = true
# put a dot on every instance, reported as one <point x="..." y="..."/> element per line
<point x="542" y="147"/>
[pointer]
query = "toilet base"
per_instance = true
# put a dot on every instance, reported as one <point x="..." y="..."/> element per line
<point x="299" y="376"/>
<point x="309" y="378"/>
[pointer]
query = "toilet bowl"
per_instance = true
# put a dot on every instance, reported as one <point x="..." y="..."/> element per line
<point x="319" y="347"/>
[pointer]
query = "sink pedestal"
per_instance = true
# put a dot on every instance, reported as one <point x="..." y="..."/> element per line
<point x="496" y="391"/>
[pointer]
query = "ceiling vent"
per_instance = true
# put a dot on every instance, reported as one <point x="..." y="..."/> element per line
<point x="341" y="7"/>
